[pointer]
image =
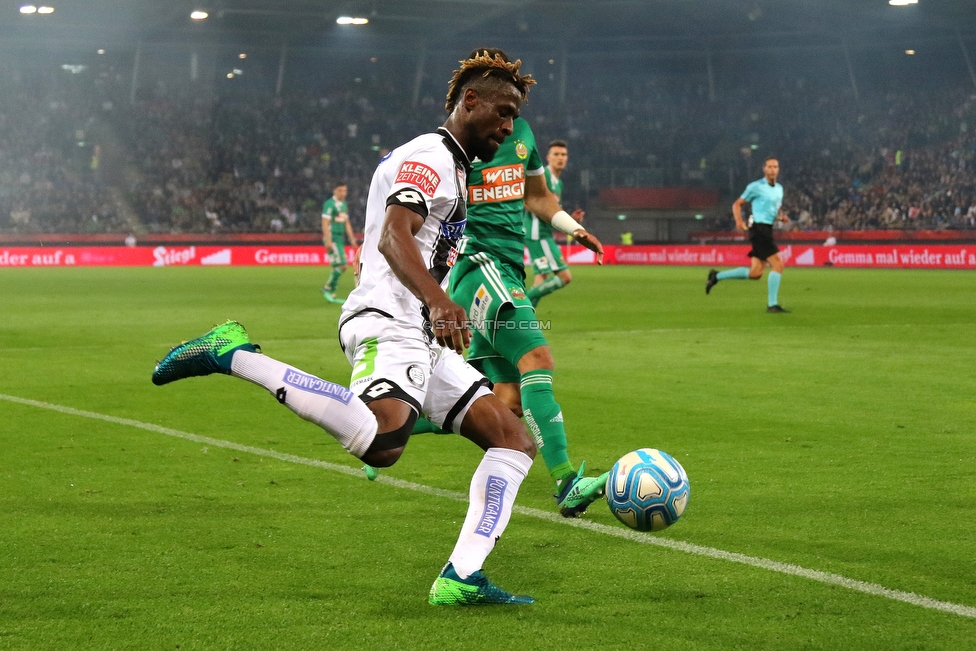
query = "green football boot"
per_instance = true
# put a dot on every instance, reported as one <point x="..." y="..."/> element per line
<point x="209" y="353"/>
<point x="451" y="590"/>
<point x="371" y="472"/>
<point x="577" y="493"/>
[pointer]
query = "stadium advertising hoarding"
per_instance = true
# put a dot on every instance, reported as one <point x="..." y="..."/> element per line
<point x="798" y="255"/>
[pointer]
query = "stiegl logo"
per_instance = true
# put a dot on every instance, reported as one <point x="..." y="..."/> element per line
<point x="163" y="257"/>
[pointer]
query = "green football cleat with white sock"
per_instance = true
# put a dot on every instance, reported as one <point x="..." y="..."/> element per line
<point x="577" y="493"/>
<point x="451" y="590"/>
<point x="209" y="353"/>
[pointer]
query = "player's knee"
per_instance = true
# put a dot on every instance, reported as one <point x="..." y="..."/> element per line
<point x="382" y="458"/>
<point x="511" y="396"/>
<point x="566" y="278"/>
<point x="755" y="275"/>
<point x="516" y="437"/>
<point x="388" y="445"/>
<point x="536" y="359"/>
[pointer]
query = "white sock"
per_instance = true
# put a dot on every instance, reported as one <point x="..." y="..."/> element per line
<point x="493" y="489"/>
<point x="332" y="407"/>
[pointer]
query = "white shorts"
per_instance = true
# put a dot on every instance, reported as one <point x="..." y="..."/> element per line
<point x="393" y="360"/>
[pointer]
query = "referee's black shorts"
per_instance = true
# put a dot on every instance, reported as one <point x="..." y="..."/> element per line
<point x="761" y="238"/>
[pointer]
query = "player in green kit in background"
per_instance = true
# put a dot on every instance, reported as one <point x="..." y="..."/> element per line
<point x="551" y="271"/>
<point x="335" y="228"/>
<point x="766" y="197"/>
<point x="488" y="280"/>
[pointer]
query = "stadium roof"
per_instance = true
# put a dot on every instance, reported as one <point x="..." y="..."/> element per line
<point x="587" y="25"/>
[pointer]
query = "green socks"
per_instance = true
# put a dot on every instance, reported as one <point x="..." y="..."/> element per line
<point x="544" y="418"/>
<point x="333" y="281"/>
<point x="544" y="288"/>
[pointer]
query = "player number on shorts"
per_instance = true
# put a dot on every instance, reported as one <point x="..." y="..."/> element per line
<point x="379" y="389"/>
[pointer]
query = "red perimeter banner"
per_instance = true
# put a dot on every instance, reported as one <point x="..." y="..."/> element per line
<point x="799" y="255"/>
<point x="164" y="256"/>
<point x="902" y="255"/>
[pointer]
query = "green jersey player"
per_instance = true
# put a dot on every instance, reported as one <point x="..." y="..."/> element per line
<point x="335" y="228"/>
<point x="551" y="271"/>
<point x="488" y="280"/>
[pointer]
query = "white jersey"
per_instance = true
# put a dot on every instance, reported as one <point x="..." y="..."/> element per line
<point x="427" y="175"/>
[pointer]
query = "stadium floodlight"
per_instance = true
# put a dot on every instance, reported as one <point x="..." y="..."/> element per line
<point x="101" y="51"/>
<point x="45" y="10"/>
<point x="199" y="14"/>
<point x="28" y="9"/>
<point x="349" y="20"/>
<point x="909" y="52"/>
<point x="902" y="3"/>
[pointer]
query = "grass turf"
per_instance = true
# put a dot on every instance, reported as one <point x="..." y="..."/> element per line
<point x="838" y="438"/>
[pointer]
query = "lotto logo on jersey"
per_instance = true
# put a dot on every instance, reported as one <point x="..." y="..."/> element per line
<point x="505" y="183"/>
<point x="419" y="176"/>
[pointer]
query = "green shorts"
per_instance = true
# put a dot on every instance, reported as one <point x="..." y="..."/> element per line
<point x="337" y="254"/>
<point x="503" y="322"/>
<point x="546" y="256"/>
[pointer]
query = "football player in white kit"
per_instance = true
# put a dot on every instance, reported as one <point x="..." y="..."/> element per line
<point x="403" y="335"/>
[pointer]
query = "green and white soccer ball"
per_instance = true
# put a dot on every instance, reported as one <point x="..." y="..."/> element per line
<point x="647" y="490"/>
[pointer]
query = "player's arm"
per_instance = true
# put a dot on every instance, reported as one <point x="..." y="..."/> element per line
<point x="398" y="246"/>
<point x="327" y="231"/>
<point x="349" y="233"/>
<point x="737" y="214"/>
<point x="542" y="203"/>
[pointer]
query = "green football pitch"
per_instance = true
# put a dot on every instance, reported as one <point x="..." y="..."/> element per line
<point x="831" y="452"/>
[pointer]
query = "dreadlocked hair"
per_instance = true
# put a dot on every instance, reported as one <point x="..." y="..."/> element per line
<point x="487" y="62"/>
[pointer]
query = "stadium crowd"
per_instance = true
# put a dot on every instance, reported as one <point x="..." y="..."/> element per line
<point x="78" y="156"/>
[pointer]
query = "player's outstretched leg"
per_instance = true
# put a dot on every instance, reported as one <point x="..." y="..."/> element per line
<point x="712" y="280"/>
<point x="422" y="426"/>
<point x="739" y="273"/>
<point x="574" y="492"/>
<point x="209" y="353"/>
<point x="494" y="486"/>
<point x="227" y="349"/>
<point x="579" y="492"/>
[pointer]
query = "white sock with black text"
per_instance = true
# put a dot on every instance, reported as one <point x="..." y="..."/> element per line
<point x="493" y="489"/>
<point x="332" y="407"/>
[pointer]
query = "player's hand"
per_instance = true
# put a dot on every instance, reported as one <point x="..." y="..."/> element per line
<point x="589" y="240"/>
<point x="355" y="261"/>
<point x="578" y="214"/>
<point x="741" y="225"/>
<point x="450" y="324"/>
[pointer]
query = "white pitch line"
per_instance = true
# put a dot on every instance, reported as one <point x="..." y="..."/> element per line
<point x="619" y="532"/>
